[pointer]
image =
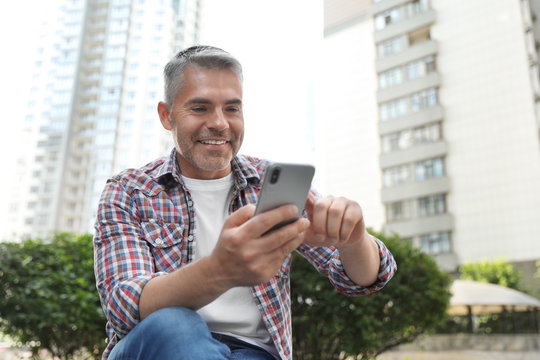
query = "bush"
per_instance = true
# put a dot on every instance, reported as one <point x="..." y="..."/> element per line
<point x="48" y="298"/>
<point x="327" y="324"/>
<point x="499" y="272"/>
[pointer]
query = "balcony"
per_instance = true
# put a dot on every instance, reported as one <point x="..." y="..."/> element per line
<point x="423" y="225"/>
<point x="387" y="5"/>
<point x="423" y="117"/>
<point x="413" y="154"/>
<point x="405" y="26"/>
<point x="415" y="189"/>
<point x="417" y="51"/>
<point x="409" y="87"/>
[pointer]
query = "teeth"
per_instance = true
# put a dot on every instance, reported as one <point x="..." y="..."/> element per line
<point x="213" y="142"/>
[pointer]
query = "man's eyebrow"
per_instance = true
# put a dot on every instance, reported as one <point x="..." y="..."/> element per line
<point x="234" y="102"/>
<point x="199" y="101"/>
<point x="207" y="101"/>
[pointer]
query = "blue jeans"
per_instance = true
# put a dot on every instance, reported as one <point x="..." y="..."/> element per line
<point x="178" y="333"/>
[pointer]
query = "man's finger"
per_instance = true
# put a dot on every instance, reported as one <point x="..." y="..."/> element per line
<point x="263" y="222"/>
<point x="240" y="216"/>
<point x="334" y="219"/>
<point x="310" y="203"/>
<point x="279" y="238"/>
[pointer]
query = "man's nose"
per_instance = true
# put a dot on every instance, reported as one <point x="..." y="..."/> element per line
<point x="218" y="120"/>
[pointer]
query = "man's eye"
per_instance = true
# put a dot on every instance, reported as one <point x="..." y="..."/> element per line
<point x="198" y="108"/>
<point x="233" y="109"/>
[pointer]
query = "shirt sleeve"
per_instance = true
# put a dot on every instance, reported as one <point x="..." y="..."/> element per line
<point x="327" y="261"/>
<point x="122" y="258"/>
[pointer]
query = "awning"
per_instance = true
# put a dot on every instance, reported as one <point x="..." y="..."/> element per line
<point x="472" y="297"/>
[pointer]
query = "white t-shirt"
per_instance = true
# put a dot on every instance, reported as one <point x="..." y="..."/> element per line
<point x="234" y="313"/>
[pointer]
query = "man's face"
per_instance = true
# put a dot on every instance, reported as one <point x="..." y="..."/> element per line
<point x="207" y="122"/>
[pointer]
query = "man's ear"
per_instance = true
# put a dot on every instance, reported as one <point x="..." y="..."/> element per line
<point x="164" y="115"/>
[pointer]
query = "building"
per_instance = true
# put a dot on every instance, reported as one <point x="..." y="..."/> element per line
<point x="457" y="99"/>
<point x="92" y="106"/>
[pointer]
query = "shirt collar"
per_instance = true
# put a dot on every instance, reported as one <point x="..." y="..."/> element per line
<point x="244" y="171"/>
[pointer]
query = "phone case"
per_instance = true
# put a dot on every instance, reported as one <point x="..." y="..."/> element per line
<point x="290" y="186"/>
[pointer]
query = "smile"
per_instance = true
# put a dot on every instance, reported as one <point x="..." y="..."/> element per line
<point x="213" y="142"/>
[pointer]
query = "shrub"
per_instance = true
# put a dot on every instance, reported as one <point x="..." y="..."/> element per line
<point x="48" y="298"/>
<point x="327" y="324"/>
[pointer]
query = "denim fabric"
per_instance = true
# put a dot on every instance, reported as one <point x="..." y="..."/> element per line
<point x="178" y="333"/>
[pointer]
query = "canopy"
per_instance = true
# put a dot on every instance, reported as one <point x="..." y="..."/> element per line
<point x="472" y="297"/>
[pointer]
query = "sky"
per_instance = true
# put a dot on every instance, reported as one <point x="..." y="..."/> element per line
<point x="277" y="43"/>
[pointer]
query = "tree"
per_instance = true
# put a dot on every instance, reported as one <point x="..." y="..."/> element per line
<point x="48" y="298"/>
<point x="326" y="323"/>
<point x="499" y="272"/>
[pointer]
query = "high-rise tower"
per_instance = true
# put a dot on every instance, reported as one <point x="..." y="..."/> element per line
<point x="92" y="107"/>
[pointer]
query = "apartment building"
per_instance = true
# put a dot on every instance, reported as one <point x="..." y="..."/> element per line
<point x="456" y="96"/>
<point x="92" y="107"/>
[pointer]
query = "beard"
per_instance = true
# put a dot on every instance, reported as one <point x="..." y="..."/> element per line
<point x="199" y="155"/>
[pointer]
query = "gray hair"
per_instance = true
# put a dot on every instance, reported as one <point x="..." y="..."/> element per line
<point x="208" y="57"/>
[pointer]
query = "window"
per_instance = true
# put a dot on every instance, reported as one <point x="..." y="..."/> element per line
<point x="48" y="187"/>
<point x="411" y="137"/>
<point x="428" y="133"/>
<point x="106" y="123"/>
<point x="390" y="78"/>
<point x="391" y="46"/>
<point x="424" y="99"/>
<point x="420" y="67"/>
<point x="105" y="139"/>
<point x="428" y="169"/>
<point x="432" y="205"/>
<point x="416" y="7"/>
<point x="112" y="80"/>
<point x="112" y="66"/>
<point x="108" y="107"/>
<point x="436" y="243"/>
<point x="386" y="18"/>
<point x="398" y="211"/>
<point x="396" y="175"/>
<point x="393" y="109"/>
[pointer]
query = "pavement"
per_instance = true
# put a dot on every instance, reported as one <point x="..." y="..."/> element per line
<point x="459" y="355"/>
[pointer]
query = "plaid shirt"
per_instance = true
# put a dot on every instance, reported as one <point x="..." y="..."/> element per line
<point x="145" y="228"/>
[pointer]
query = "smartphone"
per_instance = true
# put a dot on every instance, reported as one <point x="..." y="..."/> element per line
<point x="283" y="184"/>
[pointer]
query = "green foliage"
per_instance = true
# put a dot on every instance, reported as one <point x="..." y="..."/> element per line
<point x="327" y="324"/>
<point x="498" y="272"/>
<point x="48" y="298"/>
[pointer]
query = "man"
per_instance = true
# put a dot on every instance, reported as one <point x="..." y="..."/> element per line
<point x="182" y="266"/>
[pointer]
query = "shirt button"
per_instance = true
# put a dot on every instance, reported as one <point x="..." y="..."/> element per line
<point x="190" y="203"/>
<point x="190" y="238"/>
<point x="159" y="241"/>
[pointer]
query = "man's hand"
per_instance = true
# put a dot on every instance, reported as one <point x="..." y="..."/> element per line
<point x="339" y="222"/>
<point x="335" y="221"/>
<point x="244" y="257"/>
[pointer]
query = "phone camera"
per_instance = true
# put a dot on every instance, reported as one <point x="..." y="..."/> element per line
<point x="275" y="175"/>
